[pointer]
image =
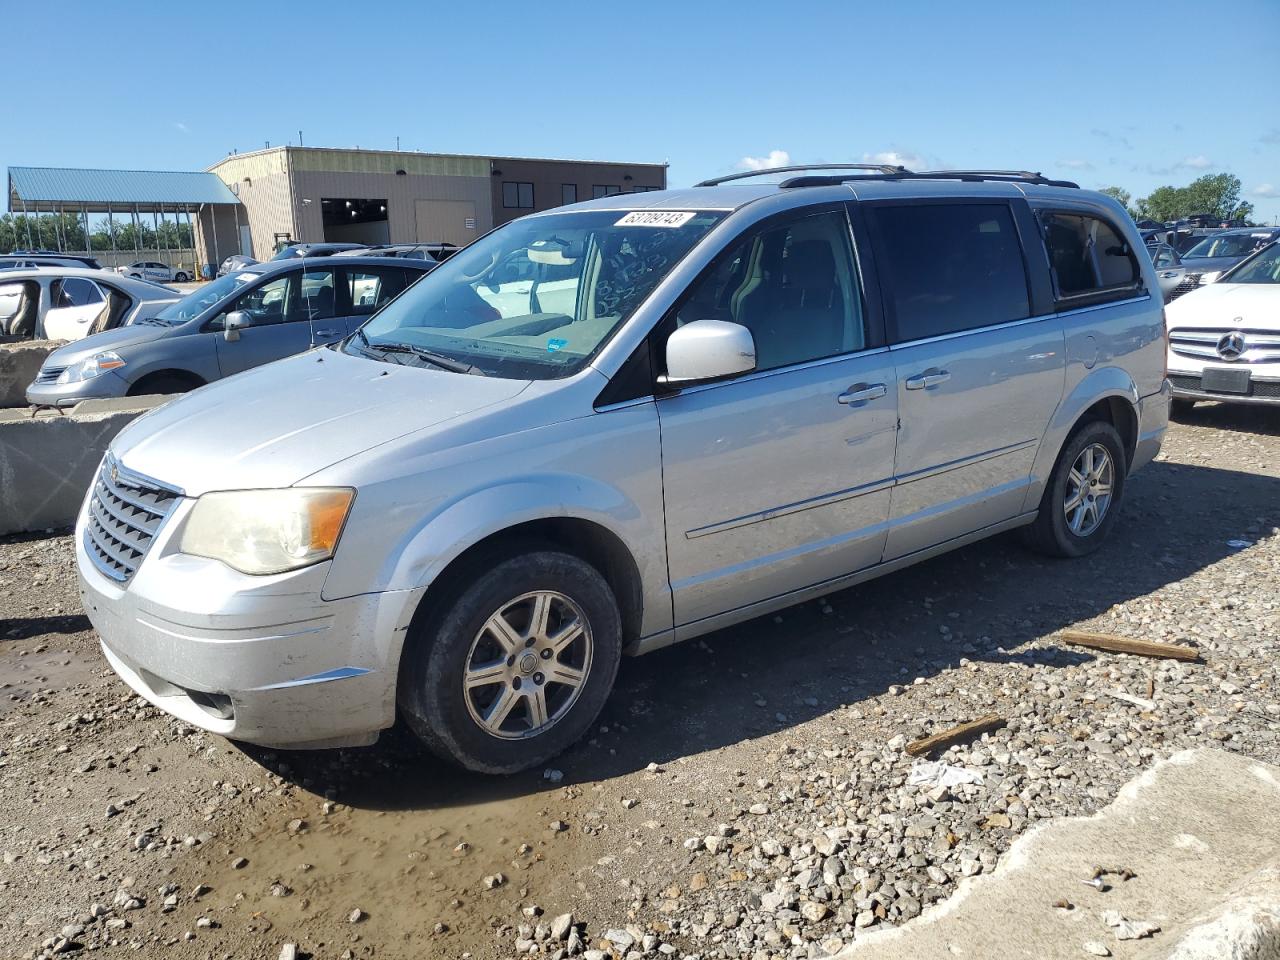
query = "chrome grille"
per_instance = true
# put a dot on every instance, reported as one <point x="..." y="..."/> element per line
<point x="1188" y="283"/>
<point x="49" y="374"/>
<point x="125" y="513"/>
<point x="1260" y="346"/>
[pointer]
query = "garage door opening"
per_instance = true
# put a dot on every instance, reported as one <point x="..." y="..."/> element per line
<point x="351" y="220"/>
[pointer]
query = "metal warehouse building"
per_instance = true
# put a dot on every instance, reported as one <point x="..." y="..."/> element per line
<point x="383" y="196"/>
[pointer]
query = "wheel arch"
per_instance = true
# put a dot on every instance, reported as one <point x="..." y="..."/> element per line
<point x="137" y="388"/>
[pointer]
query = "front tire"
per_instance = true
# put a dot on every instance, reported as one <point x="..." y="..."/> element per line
<point x="1082" y="499"/>
<point x="517" y="667"/>
<point x="180" y="277"/>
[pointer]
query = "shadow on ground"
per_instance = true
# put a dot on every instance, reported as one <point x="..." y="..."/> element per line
<point x="23" y="628"/>
<point x="992" y="598"/>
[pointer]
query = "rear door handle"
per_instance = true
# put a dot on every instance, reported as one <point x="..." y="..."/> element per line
<point x="861" y="392"/>
<point x="930" y="378"/>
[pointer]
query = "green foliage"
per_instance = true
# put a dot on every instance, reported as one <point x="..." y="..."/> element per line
<point x="1123" y="196"/>
<point x="1217" y="194"/>
<point x="66" y="232"/>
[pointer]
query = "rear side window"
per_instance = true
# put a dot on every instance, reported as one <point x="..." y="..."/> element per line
<point x="950" y="267"/>
<point x="1088" y="255"/>
<point x="77" y="292"/>
<point x="371" y="287"/>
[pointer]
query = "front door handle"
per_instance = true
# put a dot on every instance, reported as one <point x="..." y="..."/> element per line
<point x="1168" y="275"/>
<point x="862" y="392"/>
<point x="326" y="333"/>
<point x="930" y="378"/>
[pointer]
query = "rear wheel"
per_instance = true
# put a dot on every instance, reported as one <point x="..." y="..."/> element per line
<point x="1082" y="498"/>
<point x="517" y="667"/>
<point x="180" y="277"/>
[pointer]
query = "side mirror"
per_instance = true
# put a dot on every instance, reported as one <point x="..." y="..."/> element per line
<point x="236" y="321"/>
<point x="708" y="350"/>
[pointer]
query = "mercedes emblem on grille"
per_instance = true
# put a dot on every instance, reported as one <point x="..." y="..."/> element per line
<point x="1231" y="346"/>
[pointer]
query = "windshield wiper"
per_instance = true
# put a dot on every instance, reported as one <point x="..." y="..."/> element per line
<point x="435" y="359"/>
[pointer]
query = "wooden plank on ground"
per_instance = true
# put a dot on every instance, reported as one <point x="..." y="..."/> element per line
<point x="1141" y="648"/>
<point x="964" y="731"/>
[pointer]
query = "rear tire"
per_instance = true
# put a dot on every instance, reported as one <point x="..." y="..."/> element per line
<point x="1083" y="495"/>
<point x="496" y="680"/>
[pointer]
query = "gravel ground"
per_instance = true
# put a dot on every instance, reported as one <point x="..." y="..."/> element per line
<point x="745" y="795"/>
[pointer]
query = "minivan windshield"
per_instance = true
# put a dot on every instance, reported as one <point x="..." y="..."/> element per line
<point x="194" y="304"/>
<point x="1224" y="245"/>
<point x="1264" y="268"/>
<point x="536" y="298"/>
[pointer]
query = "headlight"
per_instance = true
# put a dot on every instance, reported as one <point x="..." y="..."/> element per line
<point x="91" y="367"/>
<point x="267" y="531"/>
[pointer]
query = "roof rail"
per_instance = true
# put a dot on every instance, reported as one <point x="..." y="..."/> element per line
<point x="972" y="176"/>
<point x="884" y="169"/>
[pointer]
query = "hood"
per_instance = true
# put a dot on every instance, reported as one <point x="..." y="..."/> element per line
<point x="1228" y="306"/>
<point x="107" y="340"/>
<point x="277" y="424"/>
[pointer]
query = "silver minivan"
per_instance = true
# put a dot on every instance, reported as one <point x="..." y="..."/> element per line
<point x="618" y="425"/>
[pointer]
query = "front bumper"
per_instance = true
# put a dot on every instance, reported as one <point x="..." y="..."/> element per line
<point x="108" y="385"/>
<point x="1262" y="390"/>
<point x="260" y="659"/>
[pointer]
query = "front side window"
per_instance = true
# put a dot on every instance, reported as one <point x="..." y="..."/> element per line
<point x="535" y="298"/>
<point x="517" y="195"/>
<point x="1264" y="268"/>
<point x="950" y="267"/>
<point x="793" y="285"/>
<point x="266" y="304"/>
<point x="77" y="292"/>
<point x="1165" y="256"/>
<point x="1087" y="255"/>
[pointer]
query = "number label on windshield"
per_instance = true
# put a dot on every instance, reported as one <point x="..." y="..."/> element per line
<point x="655" y="218"/>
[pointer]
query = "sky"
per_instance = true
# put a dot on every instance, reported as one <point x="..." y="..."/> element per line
<point x="1104" y="93"/>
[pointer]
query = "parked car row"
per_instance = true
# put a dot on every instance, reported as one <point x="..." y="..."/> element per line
<point x="430" y="252"/>
<point x="611" y="426"/>
<point x="259" y="314"/>
<point x="1211" y="253"/>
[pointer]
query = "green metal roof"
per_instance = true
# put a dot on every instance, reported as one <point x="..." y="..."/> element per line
<point x="44" y="188"/>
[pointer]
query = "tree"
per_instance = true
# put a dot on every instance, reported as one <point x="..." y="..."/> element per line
<point x="1217" y="194"/>
<point x="1122" y="196"/>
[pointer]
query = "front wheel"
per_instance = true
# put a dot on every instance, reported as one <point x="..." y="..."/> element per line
<point x="1082" y="498"/>
<point x="180" y="277"/>
<point x="517" y="667"/>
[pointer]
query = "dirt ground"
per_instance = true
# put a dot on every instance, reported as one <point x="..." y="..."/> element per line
<point x="122" y="829"/>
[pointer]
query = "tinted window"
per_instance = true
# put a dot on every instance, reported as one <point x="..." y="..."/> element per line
<point x="792" y="285"/>
<point x="1087" y="255"/>
<point x="319" y="295"/>
<point x="950" y="268"/>
<point x="519" y="195"/>
<point x="568" y="193"/>
<point x="77" y="292"/>
<point x="267" y="303"/>
<point x="371" y="287"/>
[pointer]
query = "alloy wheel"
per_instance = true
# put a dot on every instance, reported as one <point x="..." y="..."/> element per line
<point x="527" y="665"/>
<point x="1089" y="489"/>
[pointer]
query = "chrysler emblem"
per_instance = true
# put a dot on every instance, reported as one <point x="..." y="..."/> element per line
<point x="1231" y="346"/>
<point x="115" y="472"/>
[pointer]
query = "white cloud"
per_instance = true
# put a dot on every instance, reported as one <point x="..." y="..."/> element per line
<point x="775" y="158"/>
<point x="912" y="161"/>
<point x="1198" y="162"/>
<point x="181" y="127"/>
<point x="1076" y="164"/>
<point x="1266" y="190"/>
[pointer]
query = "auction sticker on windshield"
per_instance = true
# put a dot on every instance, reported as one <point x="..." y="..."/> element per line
<point x="655" y="218"/>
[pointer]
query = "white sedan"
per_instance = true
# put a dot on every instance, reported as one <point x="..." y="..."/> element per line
<point x="1224" y="338"/>
<point x="67" y="303"/>
<point x="155" y="271"/>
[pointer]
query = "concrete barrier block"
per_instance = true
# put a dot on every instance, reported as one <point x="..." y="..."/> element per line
<point x="47" y="462"/>
<point x="19" y="363"/>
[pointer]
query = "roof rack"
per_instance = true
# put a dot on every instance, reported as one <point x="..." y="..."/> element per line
<point x="884" y="169"/>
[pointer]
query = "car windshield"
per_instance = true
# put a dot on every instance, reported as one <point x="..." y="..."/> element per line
<point x="536" y="298"/>
<point x="1264" y="268"/>
<point x="1226" y="245"/>
<point x="288" y="253"/>
<point x="194" y="304"/>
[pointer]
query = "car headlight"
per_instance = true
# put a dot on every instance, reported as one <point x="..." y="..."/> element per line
<point x="91" y="367"/>
<point x="268" y="531"/>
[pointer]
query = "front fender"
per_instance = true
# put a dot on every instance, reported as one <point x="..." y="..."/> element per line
<point x="1098" y="384"/>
